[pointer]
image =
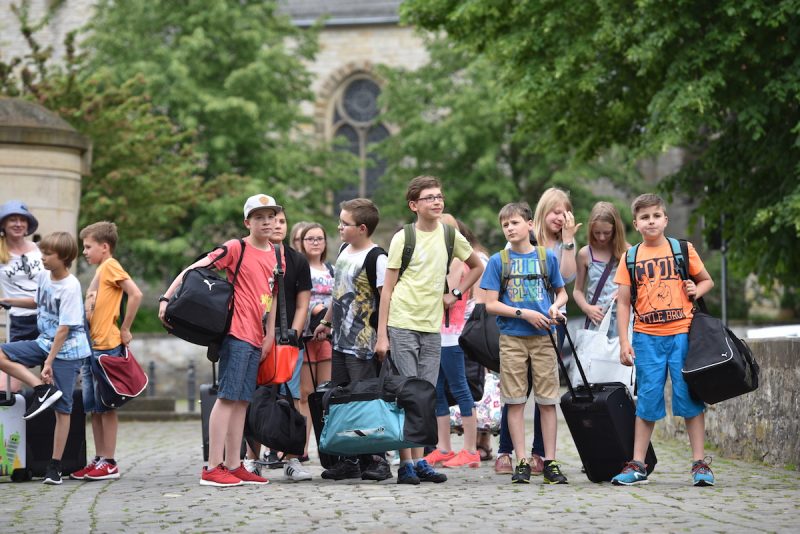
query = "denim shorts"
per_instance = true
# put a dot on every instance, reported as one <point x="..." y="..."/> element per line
<point x="91" y="397"/>
<point x="22" y="328"/>
<point x="238" y="369"/>
<point x="65" y="372"/>
<point x="655" y="355"/>
<point x="294" y="383"/>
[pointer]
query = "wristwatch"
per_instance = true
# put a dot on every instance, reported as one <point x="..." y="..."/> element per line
<point x="163" y="298"/>
<point x="457" y="293"/>
<point x="518" y="312"/>
<point x="323" y="322"/>
<point x="569" y="246"/>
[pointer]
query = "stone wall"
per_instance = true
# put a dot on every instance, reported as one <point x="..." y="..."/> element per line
<point x="763" y="425"/>
<point x="171" y="357"/>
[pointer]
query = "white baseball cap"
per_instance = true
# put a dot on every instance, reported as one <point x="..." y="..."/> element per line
<point x="257" y="202"/>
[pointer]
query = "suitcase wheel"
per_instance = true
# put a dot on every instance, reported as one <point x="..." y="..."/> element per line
<point x="21" y="475"/>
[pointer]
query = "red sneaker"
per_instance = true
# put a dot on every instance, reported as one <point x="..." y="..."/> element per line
<point x="219" y="477"/>
<point x="438" y="457"/>
<point x="80" y="474"/>
<point x="103" y="471"/>
<point x="471" y="459"/>
<point x="247" y="477"/>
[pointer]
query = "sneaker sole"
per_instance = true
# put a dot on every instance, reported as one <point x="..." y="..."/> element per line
<point x="112" y="476"/>
<point x="471" y="465"/>
<point x="554" y="482"/>
<point x="410" y="482"/>
<point x="45" y="405"/>
<point x="703" y="484"/>
<point x="636" y="483"/>
<point x="520" y="481"/>
<point x="51" y="482"/>
<point x="218" y="484"/>
<point x="72" y="477"/>
<point x="376" y="478"/>
<point x="254" y="483"/>
<point x="292" y="479"/>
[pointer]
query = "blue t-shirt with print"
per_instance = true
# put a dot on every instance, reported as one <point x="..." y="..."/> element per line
<point x="522" y="292"/>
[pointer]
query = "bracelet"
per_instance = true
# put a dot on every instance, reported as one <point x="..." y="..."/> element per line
<point x="323" y="322"/>
<point x="163" y="298"/>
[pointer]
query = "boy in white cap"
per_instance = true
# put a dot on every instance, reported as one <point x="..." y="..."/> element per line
<point x="241" y="350"/>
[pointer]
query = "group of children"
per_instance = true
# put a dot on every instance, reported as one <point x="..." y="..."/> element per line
<point x="68" y="334"/>
<point x="374" y="308"/>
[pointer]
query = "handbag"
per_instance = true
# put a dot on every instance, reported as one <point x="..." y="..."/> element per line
<point x="119" y="378"/>
<point x="273" y="421"/>
<point x="381" y="414"/>
<point x="718" y="365"/>
<point x="488" y="409"/>
<point x="480" y="338"/>
<point x="278" y="366"/>
<point x="599" y="356"/>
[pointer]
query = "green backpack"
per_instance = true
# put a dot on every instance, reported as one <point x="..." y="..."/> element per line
<point x="411" y="242"/>
<point x="506" y="276"/>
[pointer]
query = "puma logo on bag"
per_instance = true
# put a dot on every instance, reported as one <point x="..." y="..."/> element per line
<point x="209" y="284"/>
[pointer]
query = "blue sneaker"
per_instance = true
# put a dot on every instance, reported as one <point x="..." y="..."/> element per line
<point x="701" y="473"/>
<point x="632" y="474"/>
<point x="426" y="473"/>
<point x="406" y="474"/>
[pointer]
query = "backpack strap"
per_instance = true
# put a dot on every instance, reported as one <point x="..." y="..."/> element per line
<point x="371" y="265"/>
<point x="329" y="266"/>
<point x="505" y="269"/>
<point x="630" y="263"/>
<point x="680" y="252"/>
<point x="541" y="254"/>
<point x="341" y="249"/>
<point x="410" y="235"/>
<point x="449" y="243"/>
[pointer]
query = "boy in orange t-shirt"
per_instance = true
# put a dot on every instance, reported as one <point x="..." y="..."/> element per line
<point x="103" y="300"/>
<point x="660" y="342"/>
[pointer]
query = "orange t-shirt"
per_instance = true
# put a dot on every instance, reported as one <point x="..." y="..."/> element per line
<point x="662" y="306"/>
<point x="104" y="330"/>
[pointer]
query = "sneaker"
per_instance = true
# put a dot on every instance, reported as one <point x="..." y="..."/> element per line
<point x="522" y="473"/>
<point x="503" y="465"/>
<point x="701" y="473"/>
<point x="406" y="474"/>
<point x="103" y="471"/>
<point x="632" y="473"/>
<point x="219" y="477"/>
<point x="437" y="457"/>
<point x="252" y="466"/>
<point x="464" y="457"/>
<point x="272" y="460"/>
<point x="43" y="397"/>
<point x="81" y="473"/>
<point x="378" y="470"/>
<point x="341" y="470"/>
<point x="426" y="473"/>
<point x="53" y="474"/>
<point x="293" y="470"/>
<point x="395" y="459"/>
<point x="552" y="473"/>
<point x="246" y="477"/>
<point x="537" y="464"/>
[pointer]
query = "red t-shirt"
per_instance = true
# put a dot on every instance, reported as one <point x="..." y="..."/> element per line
<point x="662" y="306"/>
<point x="253" y="289"/>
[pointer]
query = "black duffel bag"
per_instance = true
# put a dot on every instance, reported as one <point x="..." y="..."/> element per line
<point x="273" y="421"/>
<point x="480" y="338"/>
<point x="719" y="365"/>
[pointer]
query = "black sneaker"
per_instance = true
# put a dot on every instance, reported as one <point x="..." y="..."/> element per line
<point x="272" y="461"/>
<point x="522" y="473"/>
<point x="426" y="473"/>
<point x="378" y="470"/>
<point x="43" y="397"/>
<point x="552" y="473"/>
<point x="53" y="473"/>
<point x="406" y="474"/>
<point x="342" y="470"/>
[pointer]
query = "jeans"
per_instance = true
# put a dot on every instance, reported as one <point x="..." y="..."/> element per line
<point x="452" y="372"/>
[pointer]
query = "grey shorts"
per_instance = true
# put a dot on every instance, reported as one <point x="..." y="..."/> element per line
<point x="416" y="353"/>
<point x="346" y="368"/>
<point x="65" y="372"/>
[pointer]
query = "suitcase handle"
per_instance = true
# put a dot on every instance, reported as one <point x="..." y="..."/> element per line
<point x="563" y="323"/>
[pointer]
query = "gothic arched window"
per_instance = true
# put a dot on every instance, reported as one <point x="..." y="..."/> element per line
<point x="355" y="119"/>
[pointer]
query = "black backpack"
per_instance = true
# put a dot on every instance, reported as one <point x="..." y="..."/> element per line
<point x="201" y="309"/>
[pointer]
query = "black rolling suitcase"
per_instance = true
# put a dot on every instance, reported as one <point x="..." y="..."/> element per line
<point x="316" y="411"/>
<point x="40" y="431"/>
<point x="208" y="396"/>
<point x="601" y="420"/>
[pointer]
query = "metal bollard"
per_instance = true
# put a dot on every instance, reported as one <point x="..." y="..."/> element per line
<point x="151" y="384"/>
<point x="190" y="387"/>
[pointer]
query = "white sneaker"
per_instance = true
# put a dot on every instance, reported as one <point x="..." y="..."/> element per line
<point x="293" y="470"/>
<point x="252" y="466"/>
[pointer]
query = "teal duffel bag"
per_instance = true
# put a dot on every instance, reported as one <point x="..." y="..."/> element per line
<point x="377" y="415"/>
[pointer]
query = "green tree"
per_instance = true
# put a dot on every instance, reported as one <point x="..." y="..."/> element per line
<point x="720" y="79"/>
<point x="452" y="125"/>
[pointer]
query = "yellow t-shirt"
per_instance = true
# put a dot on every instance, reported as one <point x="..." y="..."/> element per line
<point x="417" y="297"/>
<point x="104" y="329"/>
<point x="662" y="307"/>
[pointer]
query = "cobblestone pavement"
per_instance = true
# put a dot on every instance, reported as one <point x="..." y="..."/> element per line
<point x="159" y="491"/>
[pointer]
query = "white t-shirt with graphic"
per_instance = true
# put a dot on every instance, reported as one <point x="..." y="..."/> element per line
<point x="18" y="279"/>
<point x="60" y="303"/>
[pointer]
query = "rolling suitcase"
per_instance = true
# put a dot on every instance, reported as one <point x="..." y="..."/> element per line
<point x="601" y="420"/>
<point x="40" y="431"/>
<point x="208" y="396"/>
<point x="316" y="411"/>
<point x="13" y="436"/>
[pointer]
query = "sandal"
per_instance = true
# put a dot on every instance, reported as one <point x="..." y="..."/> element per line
<point x="486" y="453"/>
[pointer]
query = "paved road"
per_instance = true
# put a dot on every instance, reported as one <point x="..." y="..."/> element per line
<point x="159" y="491"/>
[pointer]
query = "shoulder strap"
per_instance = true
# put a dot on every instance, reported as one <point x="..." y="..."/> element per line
<point x="329" y="267"/>
<point x="505" y="269"/>
<point x="680" y="252"/>
<point x="541" y="254"/>
<point x="630" y="263"/>
<point x="410" y="236"/>
<point x="371" y="265"/>
<point x="341" y="248"/>
<point x="449" y="243"/>
<point x="283" y="335"/>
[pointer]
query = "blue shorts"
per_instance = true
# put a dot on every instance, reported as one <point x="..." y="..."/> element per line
<point x="294" y="383"/>
<point x="91" y="397"/>
<point x="65" y="372"/>
<point x="654" y="356"/>
<point x="238" y="369"/>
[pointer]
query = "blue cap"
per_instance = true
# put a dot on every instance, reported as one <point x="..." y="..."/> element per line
<point x="17" y="207"/>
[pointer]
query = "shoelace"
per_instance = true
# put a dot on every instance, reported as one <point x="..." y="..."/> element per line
<point x="555" y="468"/>
<point x="425" y="468"/>
<point x="101" y="464"/>
<point x="702" y="466"/>
<point x="630" y="466"/>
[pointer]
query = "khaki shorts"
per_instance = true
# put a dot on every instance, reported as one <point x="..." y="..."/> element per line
<point x="515" y="353"/>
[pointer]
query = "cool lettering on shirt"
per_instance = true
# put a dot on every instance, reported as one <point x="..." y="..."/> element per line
<point x="522" y="289"/>
<point x="655" y="302"/>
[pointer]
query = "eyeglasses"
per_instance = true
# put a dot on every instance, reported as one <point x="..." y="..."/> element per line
<point x="343" y="224"/>
<point x="431" y="198"/>
<point x="314" y="239"/>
